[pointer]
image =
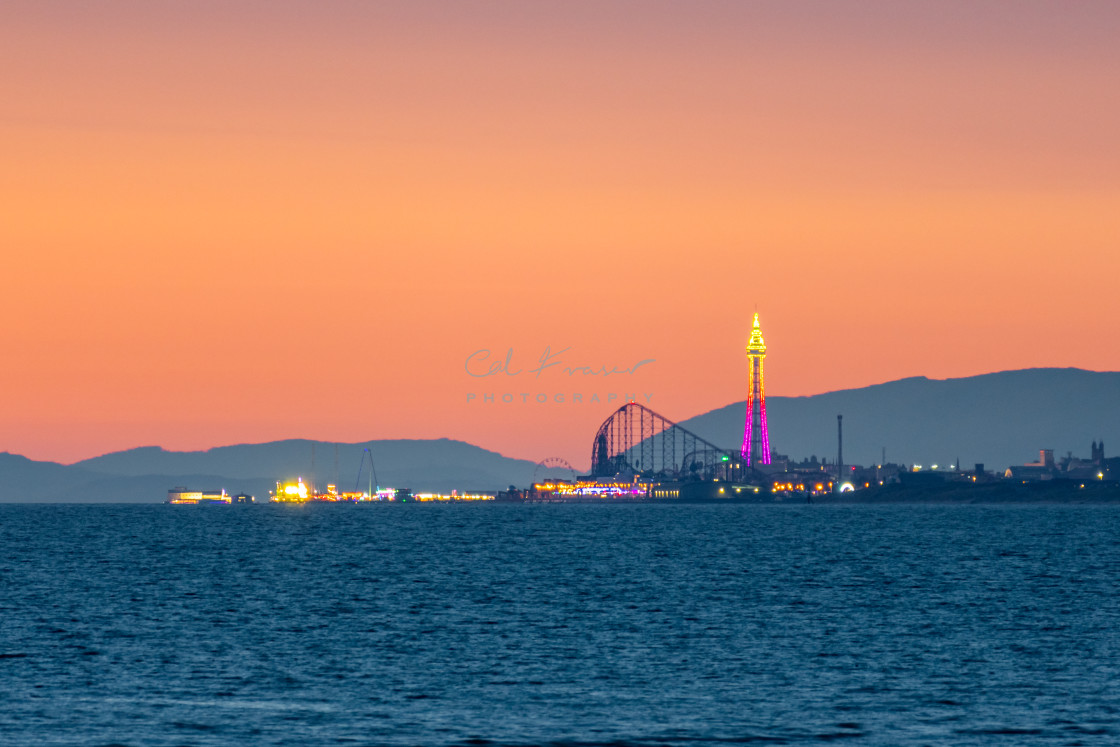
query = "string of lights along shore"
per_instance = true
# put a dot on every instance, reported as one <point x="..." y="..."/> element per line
<point x="756" y="438"/>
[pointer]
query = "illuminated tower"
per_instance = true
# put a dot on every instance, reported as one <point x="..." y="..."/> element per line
<point x="756" y="439"/>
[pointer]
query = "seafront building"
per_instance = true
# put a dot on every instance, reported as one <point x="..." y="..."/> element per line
<point x="1096" y="467"/>
<point x="185" y="496"/>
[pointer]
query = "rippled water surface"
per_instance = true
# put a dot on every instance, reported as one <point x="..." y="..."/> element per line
<point x="559" y="624"/>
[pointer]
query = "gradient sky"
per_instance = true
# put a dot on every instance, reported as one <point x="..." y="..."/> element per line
<point x="239" y="222"/>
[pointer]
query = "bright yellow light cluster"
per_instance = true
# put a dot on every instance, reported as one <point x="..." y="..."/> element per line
<point x="756" y="345"/>
<point x="595" y="488"/>
<point x="815" y="488"/>
<point x="290" y="492"/>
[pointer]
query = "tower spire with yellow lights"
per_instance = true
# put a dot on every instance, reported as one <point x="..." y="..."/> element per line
<point x="756" y="438"/>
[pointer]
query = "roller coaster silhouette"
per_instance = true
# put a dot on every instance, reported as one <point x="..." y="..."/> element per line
<point x="635" y="440"/>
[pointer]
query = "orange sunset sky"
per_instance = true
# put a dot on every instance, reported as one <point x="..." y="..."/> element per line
<point x="227" y="222"/>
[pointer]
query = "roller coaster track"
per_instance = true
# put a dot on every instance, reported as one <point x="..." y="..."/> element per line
<point x="635" y="440"/>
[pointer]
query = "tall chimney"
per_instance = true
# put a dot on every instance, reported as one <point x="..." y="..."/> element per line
<point x="839" y="446"/>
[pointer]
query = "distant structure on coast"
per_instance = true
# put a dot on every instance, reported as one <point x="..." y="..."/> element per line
<point x="756" y="438"/>
<point x="300" y="492"/>
<point x="1096" y="467"/>
<point x="185" y="496"/>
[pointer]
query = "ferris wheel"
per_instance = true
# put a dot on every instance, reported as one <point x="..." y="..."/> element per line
<point x="552" y="465"/>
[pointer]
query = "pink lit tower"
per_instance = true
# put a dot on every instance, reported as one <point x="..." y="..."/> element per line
<point x="756" y="439"/>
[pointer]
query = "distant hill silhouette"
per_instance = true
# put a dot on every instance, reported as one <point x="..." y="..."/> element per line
<point x="25" y="479"/>
<point x="998" y="419"/>
<point x="146" y="473"/>
<point x="398" y="462"/>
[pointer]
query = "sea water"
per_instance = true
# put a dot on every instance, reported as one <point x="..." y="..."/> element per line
<point x="489" y="624"/>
